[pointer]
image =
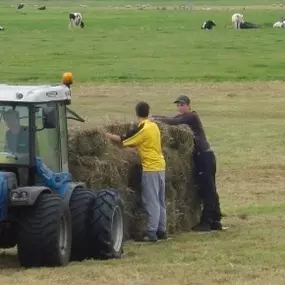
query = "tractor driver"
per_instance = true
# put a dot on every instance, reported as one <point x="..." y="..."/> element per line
<point x="17" y="136"/>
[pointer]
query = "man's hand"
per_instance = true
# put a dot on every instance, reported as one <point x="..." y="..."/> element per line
<point x="108" y="136"/>
<point x="22" y="157"/>
<point x="112" y="137"/>
<point x="156" y="118"/>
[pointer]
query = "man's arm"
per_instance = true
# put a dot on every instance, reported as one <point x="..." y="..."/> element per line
<point x="157" y="117"/>
<point x="132" y="138"/>
<point x="113" y="137"/>
<point x="6" y="147"/>
<point x="178" y="120"/>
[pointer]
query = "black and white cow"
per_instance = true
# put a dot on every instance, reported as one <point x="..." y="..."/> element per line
<point x="280" y="23"/>
<point x="75" y="19"/>
<point x="249" y="25"/>
<point x="208" y="25"/>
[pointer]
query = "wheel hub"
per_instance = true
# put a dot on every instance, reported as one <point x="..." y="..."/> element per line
<point x="117" y="229"/>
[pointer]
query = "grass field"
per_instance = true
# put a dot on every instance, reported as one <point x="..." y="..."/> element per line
<point x="126" y="55"/>
<point x="134" y="45"/>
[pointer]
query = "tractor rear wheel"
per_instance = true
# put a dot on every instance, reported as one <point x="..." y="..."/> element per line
<point x="80" y="204"/>
<point x="45" y="233"/>
<point x="106" y="226"/>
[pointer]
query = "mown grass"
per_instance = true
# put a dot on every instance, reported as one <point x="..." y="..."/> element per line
<point x="244" y="123"/>
<point x="133" y="45"/>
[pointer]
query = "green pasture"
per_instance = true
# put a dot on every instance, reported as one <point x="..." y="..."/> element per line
<point x="120" y="45"/>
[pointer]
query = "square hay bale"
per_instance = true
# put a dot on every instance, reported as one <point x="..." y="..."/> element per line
<point x="102" y="164"/>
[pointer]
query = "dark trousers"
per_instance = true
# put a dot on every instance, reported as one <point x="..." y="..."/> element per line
<point x="205" y="178"/>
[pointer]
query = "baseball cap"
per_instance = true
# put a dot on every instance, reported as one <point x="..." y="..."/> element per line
<point x="183" y="99"/>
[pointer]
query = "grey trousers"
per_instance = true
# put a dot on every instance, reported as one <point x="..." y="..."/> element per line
<point x="153" y="198"/>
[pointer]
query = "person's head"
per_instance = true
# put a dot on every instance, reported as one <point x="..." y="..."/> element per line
<point x="142" y="110"/>
<point x="183" y="104"/>
<point x="12" y="120"/>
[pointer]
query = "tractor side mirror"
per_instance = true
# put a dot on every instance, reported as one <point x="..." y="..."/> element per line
<point x="49" y="118"/>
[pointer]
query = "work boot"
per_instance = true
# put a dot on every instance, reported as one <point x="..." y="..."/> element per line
<point x="161" y="235"/>
<point x="147" y="237"/>
<point x="150" y="238"/>
<point x="202" y="227"/>
<point x="216" y="226"/>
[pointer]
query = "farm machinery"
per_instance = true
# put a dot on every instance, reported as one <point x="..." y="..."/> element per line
<point x="49" y="217"/>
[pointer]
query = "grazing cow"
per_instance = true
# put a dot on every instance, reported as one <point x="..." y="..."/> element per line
<point x="75" y="19"/>
<point x="248" y="25"/>
<point x="208" y="25"/>
<point x="21" y="6"/>
<point x="237" y="19"/>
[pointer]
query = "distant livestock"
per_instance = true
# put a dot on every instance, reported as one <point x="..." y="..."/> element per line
<point x="21" y="6"/>
<point x="208" y="25"/>
<point x="249" y="25"/>
<point x="237" y="20"/>
<point x="279" y="24"/>
<point x="75" y="19"/>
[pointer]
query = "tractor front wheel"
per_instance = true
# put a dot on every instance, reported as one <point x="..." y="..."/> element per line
<point x="80" y="204"/>
<point x="45" y="233"/>
<point x="8" y="235"/>
<point x="106" y="226"/>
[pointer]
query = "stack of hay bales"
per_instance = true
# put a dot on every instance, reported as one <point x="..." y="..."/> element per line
<point x="103" y="164"/>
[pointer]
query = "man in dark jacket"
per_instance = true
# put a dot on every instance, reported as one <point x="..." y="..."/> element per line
<point x="205" y="165"/>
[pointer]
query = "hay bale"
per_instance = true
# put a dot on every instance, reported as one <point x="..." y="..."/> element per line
<point x="103" y="164"/>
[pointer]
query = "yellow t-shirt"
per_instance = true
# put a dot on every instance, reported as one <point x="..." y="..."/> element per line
<point x="147" y="139"/>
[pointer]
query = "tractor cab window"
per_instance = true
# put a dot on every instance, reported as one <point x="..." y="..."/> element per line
<point x="14" y="135"/>
<point x="48" y="135"/>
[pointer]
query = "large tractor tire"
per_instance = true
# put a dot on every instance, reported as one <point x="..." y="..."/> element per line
<point x="45" y="233"/>
<point x="106" y="226"/>
<point x="8" y="236"/>
<point x="80" y="205"/>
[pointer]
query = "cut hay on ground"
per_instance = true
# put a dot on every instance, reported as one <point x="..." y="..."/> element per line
<point x="103" y="164"/>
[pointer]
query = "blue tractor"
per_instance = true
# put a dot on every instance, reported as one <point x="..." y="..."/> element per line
<point x="49" y="217"/>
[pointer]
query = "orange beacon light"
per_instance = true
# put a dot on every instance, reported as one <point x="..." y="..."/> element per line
<point x="67" y="78"/>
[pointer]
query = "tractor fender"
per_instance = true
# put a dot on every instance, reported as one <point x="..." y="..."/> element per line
<point x="26" y="196"/>
<point x="68" y="188"/>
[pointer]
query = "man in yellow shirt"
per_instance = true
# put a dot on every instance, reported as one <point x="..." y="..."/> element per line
<point x="146" y="138"/>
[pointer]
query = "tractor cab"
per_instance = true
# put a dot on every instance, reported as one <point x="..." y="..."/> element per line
<point x="33" y="124"/>
<point x="51" y="218"/>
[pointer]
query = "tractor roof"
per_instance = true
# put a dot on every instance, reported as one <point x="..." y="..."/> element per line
<point x="34" y="93"/>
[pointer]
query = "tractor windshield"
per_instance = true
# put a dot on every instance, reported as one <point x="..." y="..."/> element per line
<point x="14" y="134"/>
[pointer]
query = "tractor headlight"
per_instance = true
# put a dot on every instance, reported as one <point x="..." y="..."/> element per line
<point x="15" y="196"/>
<point x="19" y="196"/>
